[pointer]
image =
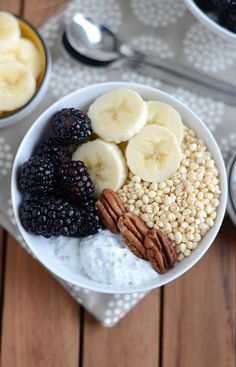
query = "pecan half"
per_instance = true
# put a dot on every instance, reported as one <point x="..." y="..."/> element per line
<point x="110" y="208"/>
<point x="160" y="250"/>
<point x="133" y="231"/>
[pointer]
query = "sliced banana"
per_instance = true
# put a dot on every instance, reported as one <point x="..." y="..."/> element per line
<point x="105" y="162"/>
<point x="26" y="53"/>
<point x="17" y="85"/>
<point x="117" y="115"/>
<point x="153" y="154"/>
<point x="163" y="114"/>
<point x="9" y="31"/>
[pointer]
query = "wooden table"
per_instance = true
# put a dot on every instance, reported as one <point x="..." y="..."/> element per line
<point x="188" y="323"/>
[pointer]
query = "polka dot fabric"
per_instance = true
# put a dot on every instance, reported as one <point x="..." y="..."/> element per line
<point x="210" y="111"/>
<point x="152" y="45"/>
<point x="162" y="28"/>
<point x="6" y="157"/>
<point x="206" y="51"/>
<point x="158" y="13"/>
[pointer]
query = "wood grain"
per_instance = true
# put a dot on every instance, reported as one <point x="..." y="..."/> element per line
<point x="199" y="309"/>
<point x="134" y="341"/>
<point x="40" y="320"/>
<point x="11" y="5"/>
<point x="38" y="11"/>
<point x="1" y="258"/>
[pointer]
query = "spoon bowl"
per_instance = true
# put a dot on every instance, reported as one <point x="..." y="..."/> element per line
<point x="91" y="40"/>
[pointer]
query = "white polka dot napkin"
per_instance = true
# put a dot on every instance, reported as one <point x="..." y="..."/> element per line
<point x="161" y="27"/>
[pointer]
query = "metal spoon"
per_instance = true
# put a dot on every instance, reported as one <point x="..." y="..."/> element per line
<point x="98" y="45"/>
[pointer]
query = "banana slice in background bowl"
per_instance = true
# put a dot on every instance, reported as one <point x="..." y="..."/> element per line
<point x="23" y="53"/>
<point x="82" y="99"/>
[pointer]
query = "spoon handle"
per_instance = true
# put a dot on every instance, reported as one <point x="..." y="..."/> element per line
<point x="170" y="70"/>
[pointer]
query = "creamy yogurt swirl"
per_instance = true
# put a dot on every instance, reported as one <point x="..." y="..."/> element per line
<point x="105" y="258"/>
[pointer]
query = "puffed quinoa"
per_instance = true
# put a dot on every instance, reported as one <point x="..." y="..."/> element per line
<point x="189" y="245"/>
<point x="182" y="247"/>
<point x="136" y="179"/>
<point x="180" y="257"/>
<point x="187" y="252"/>
<point x="185" y="205"/>
<point x="151" y="194"/>
<point x="136" y="211"/>
<point x="145" y="199"/>
<point x="172" y="237"/>
<point x="130" y="208"/>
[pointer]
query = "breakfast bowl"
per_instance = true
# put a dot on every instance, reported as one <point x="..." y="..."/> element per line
<point x="43" y="248"/>
<point x="210" y="21"/>
<point x="28" y="33"/>
<point x="231" y="171"/>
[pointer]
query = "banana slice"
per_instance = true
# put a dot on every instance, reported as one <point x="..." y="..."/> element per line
<point x="105" y="162"/>
<point x="9" y="31"/>
<point x="153" y="154"/>
<point x="26" y="53"/>
<point x="165" y="115"/>
<point x="17" y="85"/>
<point x="117" y="115"/>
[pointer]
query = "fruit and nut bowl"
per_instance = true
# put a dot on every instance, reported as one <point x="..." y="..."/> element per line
<point x="122" y="188"/>
<point x="24" y="68"/>
<point x="219" y="16"/>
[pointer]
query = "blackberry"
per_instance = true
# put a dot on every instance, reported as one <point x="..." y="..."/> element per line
<point x="91" y="222"/>
<point x="206" y="5"/>
<point x="224" y="4"/>
<point x="228" y="19"/>
<point x="71" y="126"/>
<point x="50" y="216"/>
<point x="74" y="179"/>
<point x="37" y="175"/>
<point x="53" y="149"/>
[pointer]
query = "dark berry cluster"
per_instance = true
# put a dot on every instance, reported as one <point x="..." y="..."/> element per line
<point x="59" y="192"/>
<point x="71" y="126"/>
<point x="225" y="11"/>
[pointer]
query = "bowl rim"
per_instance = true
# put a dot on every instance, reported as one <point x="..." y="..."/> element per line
<point x="231" y="205"/>
<point x="208" y="22"/>
<point x="100" y="287"/>
<point x="4" y="119"/>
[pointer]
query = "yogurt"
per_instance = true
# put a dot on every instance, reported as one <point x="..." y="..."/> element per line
<point x="105" y="258"/>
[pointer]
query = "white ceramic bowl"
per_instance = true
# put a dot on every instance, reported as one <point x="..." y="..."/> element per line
<point x="30" y="32"/>
<point x="231" y="172"/>
<point x="208" y="22"/>
<point x="82" y="99"/>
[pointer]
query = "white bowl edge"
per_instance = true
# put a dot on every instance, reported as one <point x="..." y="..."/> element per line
<point x="208" y="22"/>
<point x="84" y="97"/>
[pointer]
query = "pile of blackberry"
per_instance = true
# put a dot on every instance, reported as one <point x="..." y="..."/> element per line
<point x="224" y="10"/>
<point x="59" y="192"/>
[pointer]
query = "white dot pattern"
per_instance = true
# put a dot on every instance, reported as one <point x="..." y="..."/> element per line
<point x="206" y="51"/>
<point x="152" y="45"/>
<point x="228" y="145"/>
<point x="211" y="112"/>
<point x="118" y="307"/>
<point x="158" y="13"/>
<point x="141" y="79"/>
<point x="107" y="12"/>
<point x="50" y="31"/>
<point x="67" y="77"/>
<point x="6" y="157"/>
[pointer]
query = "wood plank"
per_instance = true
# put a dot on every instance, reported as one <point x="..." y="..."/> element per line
<point x="10" y="5"/>
<point x="199" y="309"/>
<point x="38" y="11"/>
<point x="134" y="341"/>
<point x="1" y="258"/>
<point x="40" y="320"/>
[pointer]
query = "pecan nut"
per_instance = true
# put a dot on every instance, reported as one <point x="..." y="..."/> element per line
<point x="160" y="250"/>
<point x="110" y="208"/>
<point x="133" y="231"/>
